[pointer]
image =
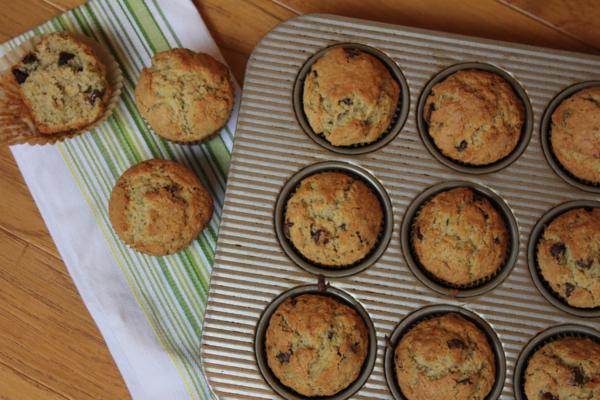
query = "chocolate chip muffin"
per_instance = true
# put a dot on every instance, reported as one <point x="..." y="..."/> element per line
<point x="333" y="219"/>
<point x="474" y="117"/>
<point x="459" y="237"/>
<point x="575" y="134"/>
<point x="568" y="256"/>
<point x="564" y="369"/>
<point x="316" y="345"/>
<point x="62" y="83"/>
<point x="185" y="96"/>
<point x="445" y="357"/>
<point x="349" y="97"/>
<point x="158" y="207"/>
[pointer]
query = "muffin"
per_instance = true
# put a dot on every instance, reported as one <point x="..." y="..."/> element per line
<point x="333" y="219"/>
<point x="564" y="369"/>
<point x="316" y="345"/>
<point x="158" y="207"/>
<point x="574" y="135"/>
<point x="568" y="256"/>
<point x="62" y="83"/>
<point x="445" y="357"/>
<point x="349" y="97"/>
<point x="459" y="237"/>
<point x="186" y="97"/>
<point x="474" y="117"/>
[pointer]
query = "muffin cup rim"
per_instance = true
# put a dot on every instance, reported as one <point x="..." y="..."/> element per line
<point x="340" y="295"/>
<point x="541" y="338"/>
<point x="546" y="133"/>
<point x="396" y="123"/>
<point x="498" y="165"/>
<point x="409" y="321"/>
<point x="532" y="264"/>
<point x="497" y="202"/>
<point x="374" y="185"/>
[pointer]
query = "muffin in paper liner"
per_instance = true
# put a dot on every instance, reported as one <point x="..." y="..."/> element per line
<point x="16" y="123"/>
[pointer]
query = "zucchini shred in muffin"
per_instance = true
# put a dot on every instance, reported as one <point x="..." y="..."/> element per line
<point x="575" y="137"/>
<point x="459" y="237"/>
<point x="333" y="219"/>
<point x="474" y="117"/>
<point x="62" y="83"/>
<point x="563" y="369"/>
<point x="349" y="97"/>
<point x="445" y="358"/>
<point x="568" y="257"/>
<point x="316" y="345"/>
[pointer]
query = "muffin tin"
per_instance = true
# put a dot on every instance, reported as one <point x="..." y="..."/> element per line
<point x="251" y="269"/>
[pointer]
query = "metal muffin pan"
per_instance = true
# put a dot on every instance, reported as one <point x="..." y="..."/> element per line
<point x="429" y="312"/>
<point x="349" y="169"/>
<point x="542" y="338"/>
<point x="397" y="122"/>
<point x="324" y="290"/>
<point x="536" y="276"/>
<point x="250" y="267"/>
<point x="526" y="130"/>
<point x="546" y="132"/>
<point x="424" y="276"/>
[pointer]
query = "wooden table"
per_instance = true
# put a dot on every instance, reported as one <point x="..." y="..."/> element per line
<point x="50" y="347"/>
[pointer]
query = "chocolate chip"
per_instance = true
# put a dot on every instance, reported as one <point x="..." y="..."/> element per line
<point x="286" y="230"/>
<point x="496" y="240"/>
<point x="418" y="233"/>
<point x="293" y="301"/>
<point x="319" y="235"/>
<point x="322" y="284"/>
<point x="94" y="95"/>
<point x="477" y="197"/>
<point x="569" y="288"/>
<point x="578" y="377"/>
<point x="283" y="358"/>
<point x="342" y="227"/>
<point x="588" y="209"/>
<point x="347" y="101"/>
<point x="549" y="396"/>
<point x="330" y="335"/>
<point x="20" y="76"/>
<point x="29" y="59"/>
<point x="354" y="347"/>
<point x="351" y="52"/>
<point x="585" y="264"/>
<point x="466" y="381"/>
<point x="173" y="188"/>
<point x="456" y="344"/>
<point x="315" y="73"/>
<point x="558" y="249"/>
<point x="64" y="57"/>
<point x="462" y="145"/>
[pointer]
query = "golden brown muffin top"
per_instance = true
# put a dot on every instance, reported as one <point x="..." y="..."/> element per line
<point x="474" y="117"/>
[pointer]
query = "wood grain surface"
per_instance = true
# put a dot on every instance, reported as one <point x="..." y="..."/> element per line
<point x="50" y="347"/>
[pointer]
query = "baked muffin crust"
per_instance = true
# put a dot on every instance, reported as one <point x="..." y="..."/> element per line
<point x="568" y="256"/>
<point x="349" y="97"/>
<point x="474" y="117"/>
<point x="316" y="345"/>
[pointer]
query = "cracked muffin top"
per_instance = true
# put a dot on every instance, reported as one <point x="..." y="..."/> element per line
<point x="445" y="358"/>
<point x="185" y="96"/>
<point x="333" y="219"/>
<point x="575" y="134"/>
<point x="568" y="256"/>
<point x="158" y="207"/>
<point x="564" y="369"/>
<point x="62" y="83"/>
<point x="349" y="97"/>
<point x="474" y="117"/>
<point x="316" y="345"/>
<point x="459" y="237"/>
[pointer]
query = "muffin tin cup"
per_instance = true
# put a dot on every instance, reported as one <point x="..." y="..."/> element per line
<point x="546" y="132"/>
<point x="322" y="290"/>
<point x="542" y="338"/>
<point x="396" y="124"/>
<point x="526" y="130"/>
<point x="17" y="127"/>
<point x="352" y="170"/>
<point x="428" y="312"/>
<point x="541" y="284"/>
<point x="476" y="288"/>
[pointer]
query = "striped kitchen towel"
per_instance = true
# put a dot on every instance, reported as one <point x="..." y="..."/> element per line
<point x="149" y="309"/>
